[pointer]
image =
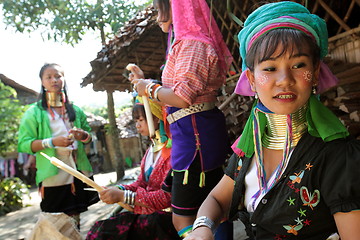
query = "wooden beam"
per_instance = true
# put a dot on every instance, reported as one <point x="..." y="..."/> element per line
<point x="222" y="19"/>
<point x="344" y="34"/>
<point x="227" y="101"/>
<point x="152" y="54"/>
<point x="237" y="8"/>
<point x="334" y="15"/>
<point x="117" y="157"/>
<point x="315" y="7"/>
<point x="347" y="15"/>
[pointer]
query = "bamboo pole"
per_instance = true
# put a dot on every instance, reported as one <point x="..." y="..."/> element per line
<point x="60" y="164"/>
<point x="149" y="117"/>
<point x="227" y="101"/>
<point x="334" y="15"/>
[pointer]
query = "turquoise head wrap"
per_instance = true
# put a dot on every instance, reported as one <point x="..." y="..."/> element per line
<point x="283" y="12"/>
<point x="284" y="15"/>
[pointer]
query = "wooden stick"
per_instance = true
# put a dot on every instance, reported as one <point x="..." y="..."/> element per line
<point x="149" y="116"/>
<point x="60" y="164"/>
<point x="227" y="101"/>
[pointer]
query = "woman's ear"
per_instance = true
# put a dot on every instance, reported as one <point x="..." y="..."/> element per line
<point x="251" y="78"/>
<point x="315" y="80"/>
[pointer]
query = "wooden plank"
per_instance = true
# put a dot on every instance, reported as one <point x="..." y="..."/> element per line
<point x="334" y="15"/>
<point x="344" y="34"/>
<point x="347" y="15"/>
<point x="315" y="8"/>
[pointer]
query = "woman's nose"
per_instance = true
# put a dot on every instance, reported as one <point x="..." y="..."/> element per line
<point x="285" y="78"/>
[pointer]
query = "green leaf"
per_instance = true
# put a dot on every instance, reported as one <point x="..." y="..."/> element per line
<point x="68" y="20"/>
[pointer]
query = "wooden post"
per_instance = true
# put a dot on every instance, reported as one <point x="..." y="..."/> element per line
<point x="114" y="133"/>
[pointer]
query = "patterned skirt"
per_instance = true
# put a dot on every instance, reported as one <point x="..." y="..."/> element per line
<point x="126" y="225"/>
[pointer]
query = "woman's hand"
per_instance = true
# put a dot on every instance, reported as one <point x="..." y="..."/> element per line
<point x="78" y="134"/>
<point x="201" y="233"/>
<point x="136" y="77"/>
<point x="112" y="195"/>
<point x="136" y="72"/>
<point x="140" y="86"/>
<point x="62" y="141"/>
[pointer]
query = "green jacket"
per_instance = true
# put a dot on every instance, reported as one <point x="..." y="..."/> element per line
<point x="35" y="125"/>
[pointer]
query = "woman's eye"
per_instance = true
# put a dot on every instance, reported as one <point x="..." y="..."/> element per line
<point x="269" y="69"/>
<point x="299" y="65"/>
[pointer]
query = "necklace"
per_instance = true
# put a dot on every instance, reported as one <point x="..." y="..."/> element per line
<point x="275" y="134"/>
<point x="157" y="144"/>
<point x="280" y="136"/>
<point x="55" y="99"/>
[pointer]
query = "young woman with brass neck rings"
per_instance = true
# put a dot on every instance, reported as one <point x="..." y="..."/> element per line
<point x="60" y="129"/>
<point x="294" y="171"/>
<point x="196" y="67"/>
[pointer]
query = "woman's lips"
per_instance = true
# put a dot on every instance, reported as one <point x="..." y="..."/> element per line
<point x="287" y="97"/>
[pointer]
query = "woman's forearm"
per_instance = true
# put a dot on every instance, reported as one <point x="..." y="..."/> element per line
<point x="217" y="204"/>
<point x="167" y="96"/>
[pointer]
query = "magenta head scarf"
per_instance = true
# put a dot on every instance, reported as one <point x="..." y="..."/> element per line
<point x="192" y="20"/>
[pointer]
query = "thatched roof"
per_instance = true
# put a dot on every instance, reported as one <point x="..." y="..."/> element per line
<point x="139" y="41"/>
<point x="24" y="94"/>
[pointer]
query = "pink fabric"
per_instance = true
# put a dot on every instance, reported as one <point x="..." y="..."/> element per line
<point x="6" y="167"/>
<point x="326" y="80"/>
<point x="243" y="86"/>
<point x="194" y="83"/>
<point x="192" y="20"/>
<point x="12" y="168"/>
<point x="279" y="25"/>
<point x="236" y="149"/>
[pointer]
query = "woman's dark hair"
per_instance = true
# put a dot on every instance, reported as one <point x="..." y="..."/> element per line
<point x="68" y="106"/>
<point x="291" y="40"/>
<point x="138" y="111"/>
<point x="164" y="8"/>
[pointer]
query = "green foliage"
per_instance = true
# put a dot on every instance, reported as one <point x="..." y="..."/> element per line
<point x="103" y="111"/>
<point x="98" y="111"/>
<point x="12" y="191"/>
<point x="11" y="112"/>
<point x="68" y="21"/>
<point x="123" y="108"/>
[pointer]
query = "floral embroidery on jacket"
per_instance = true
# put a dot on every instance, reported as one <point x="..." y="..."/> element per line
<point x="293" y="228"/>
<point x="308" y="199"/>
